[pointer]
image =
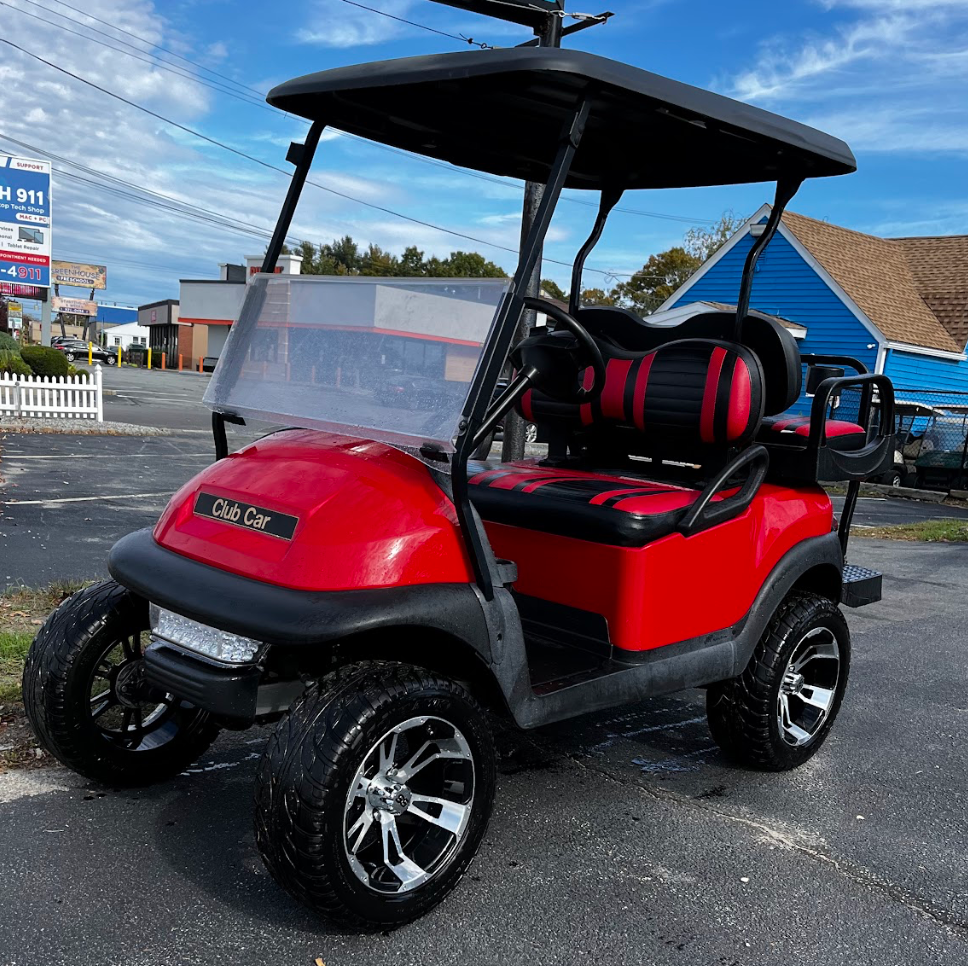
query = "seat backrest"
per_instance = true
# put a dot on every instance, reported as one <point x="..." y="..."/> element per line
<point x="773" y="344"/>
<point x="681" y="399"/>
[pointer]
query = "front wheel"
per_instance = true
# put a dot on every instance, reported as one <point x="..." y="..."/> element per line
<point x="87" y="700"/>
<point x="373" y="795"/>
<point x="778" y="712"/>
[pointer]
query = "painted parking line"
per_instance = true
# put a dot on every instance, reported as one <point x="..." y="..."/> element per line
<point x="100" y="456"/>
<point x="86" y="499"/>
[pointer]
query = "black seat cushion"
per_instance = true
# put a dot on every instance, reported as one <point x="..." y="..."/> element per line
<point x="766" y="337"/>
<point x="623" y="511"/>
<point x="682" y="398"/>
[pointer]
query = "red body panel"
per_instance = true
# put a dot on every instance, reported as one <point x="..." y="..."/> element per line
<point x="369" y="516"/>
<point x="676" y="588"/>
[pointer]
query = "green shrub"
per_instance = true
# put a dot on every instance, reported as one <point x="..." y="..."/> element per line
<point x="74" y="371"/>
<point x="12" y="363"/>
<point x="45" y="361"/>
<point x="9" y="342"/>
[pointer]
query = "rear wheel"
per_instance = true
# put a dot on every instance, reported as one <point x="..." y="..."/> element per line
<point x="86" y="697"/>
<point x="71" y="357"/>
<point x="778" y="712"/>
<point x="373" y="795"/>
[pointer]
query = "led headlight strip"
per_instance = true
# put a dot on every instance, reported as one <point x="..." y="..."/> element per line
<point x="209" y="641"/>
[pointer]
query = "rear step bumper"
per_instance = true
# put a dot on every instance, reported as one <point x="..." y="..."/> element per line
<point x="861" y="586"/>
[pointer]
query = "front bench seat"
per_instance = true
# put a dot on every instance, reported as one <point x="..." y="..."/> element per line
<point x="690" y="400"/>
<point x="622" y="511"/>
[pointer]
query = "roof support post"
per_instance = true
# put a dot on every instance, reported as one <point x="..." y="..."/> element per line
<point x="301" y="155"/>
<point x="786" y="188"/>
<point x="503" y="332"/>
<point x="610" y="198"/>
<point x="548" y="35"/>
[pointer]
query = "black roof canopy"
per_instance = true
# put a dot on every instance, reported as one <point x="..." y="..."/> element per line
<point x="502" y="111"/>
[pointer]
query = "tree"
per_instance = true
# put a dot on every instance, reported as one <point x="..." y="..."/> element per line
<point x="378" y="262"/>
<point x="553" y="290"/>
<point x="308" y="252"/>
<point x="412" y="262"/>
<point x="658" y="278"/>
<point x="703" y="243"/>
<point x="597" y="296"/>
<point x="342" y="257"/>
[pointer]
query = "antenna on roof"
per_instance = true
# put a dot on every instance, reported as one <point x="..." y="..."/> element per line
<point x="546" y="18"/>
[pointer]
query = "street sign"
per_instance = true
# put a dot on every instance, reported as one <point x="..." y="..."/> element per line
<point x="24" y="220"/>
<point x="15" y="316"/>
<point x="78" y="274"/>
<point x="73" y="306"/>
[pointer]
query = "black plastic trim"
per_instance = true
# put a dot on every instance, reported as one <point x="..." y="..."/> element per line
<point x="281" y="615"/>
<point x="229" y="692"/>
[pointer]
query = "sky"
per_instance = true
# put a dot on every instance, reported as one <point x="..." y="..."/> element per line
<point x="156" y="203"/>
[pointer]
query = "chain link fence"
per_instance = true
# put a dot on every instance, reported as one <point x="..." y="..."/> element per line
<point x="930" y="437"/>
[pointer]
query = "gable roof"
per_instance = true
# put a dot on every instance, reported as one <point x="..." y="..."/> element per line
<point x="940" y="268"/>
<point x="878" y="276"/>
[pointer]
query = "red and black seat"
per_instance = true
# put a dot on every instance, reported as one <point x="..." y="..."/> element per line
<point x="692" y="399"/>
<point x="623" y="511"/>
<point x="679" y="398"/>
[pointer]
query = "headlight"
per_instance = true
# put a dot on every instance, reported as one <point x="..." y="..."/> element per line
<point x="218" y="645"/>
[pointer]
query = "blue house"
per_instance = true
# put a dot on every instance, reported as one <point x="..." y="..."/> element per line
<point x="898" y="305"/>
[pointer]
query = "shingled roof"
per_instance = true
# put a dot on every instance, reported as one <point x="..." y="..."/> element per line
<point x="904" y="286"/>
<point x="940" y="268"/>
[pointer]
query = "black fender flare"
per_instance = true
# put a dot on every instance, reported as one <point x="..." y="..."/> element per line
<point x="282" y="615"/>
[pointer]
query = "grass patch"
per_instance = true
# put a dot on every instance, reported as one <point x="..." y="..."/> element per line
<point x="13" y="652"/>
<point x="22" y="611"/>
<point x="929" y="531"/>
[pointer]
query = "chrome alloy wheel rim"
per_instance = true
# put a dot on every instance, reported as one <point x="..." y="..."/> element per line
<point x="809" y="686"/>
<point x="409" y="805"/>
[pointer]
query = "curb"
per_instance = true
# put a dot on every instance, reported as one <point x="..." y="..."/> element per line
<point x="909" y="493"/>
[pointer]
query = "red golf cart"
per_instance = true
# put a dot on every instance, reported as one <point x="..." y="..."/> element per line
<point x="359" y="578"/>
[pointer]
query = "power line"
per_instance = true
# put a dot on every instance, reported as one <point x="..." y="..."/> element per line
<point x="684" y="219"/>
<point x="421" y="26"/>
<point x="187" y="209"/>
<point x="166" y="50"/>
<point x="156" y="63"/>
<point x="272" y="167"/>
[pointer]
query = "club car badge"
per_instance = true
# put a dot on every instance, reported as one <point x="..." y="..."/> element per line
<point x="245" y="515"/>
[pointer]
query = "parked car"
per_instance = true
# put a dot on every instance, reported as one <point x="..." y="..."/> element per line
<point x="78" y="349"/>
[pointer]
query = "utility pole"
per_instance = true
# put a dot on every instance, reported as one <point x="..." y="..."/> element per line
<point x="549" y="35"/>
<point x="546" y="19"/>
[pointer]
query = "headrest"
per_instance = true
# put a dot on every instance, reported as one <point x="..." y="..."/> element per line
<point x="681" y="397"/>
<point x="773" y="344"/>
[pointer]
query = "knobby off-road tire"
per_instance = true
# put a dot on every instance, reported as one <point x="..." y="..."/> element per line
<point x="760" y="719"/>
<point x="321" y="824"/>
<point x="85" y="697"/>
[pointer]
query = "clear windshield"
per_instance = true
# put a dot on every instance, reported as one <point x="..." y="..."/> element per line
<point x="377" y="358"/>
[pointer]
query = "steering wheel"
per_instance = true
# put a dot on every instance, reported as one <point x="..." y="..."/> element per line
<point x="587" y="347"/>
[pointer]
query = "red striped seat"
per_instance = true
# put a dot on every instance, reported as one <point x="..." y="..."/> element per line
<point x="622" y="511"/>
<point x="693" y="394"/>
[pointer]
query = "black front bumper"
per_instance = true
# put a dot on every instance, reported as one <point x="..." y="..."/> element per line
<point x="227" y="692"/>
<point x="281" y="615"/>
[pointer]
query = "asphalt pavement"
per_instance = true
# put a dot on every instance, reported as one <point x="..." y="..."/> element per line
<point x="620" y="838"/>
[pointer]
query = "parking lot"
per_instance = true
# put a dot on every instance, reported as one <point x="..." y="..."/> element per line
<point x="623" y="837"/>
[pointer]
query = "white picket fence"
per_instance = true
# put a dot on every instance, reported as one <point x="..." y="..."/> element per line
<point x="69" y="397"/>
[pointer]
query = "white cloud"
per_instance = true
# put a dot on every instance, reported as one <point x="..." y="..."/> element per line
<point x="895" y="69"/>
<point x="351" y="26"/>
<point x="147" y="249"/>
